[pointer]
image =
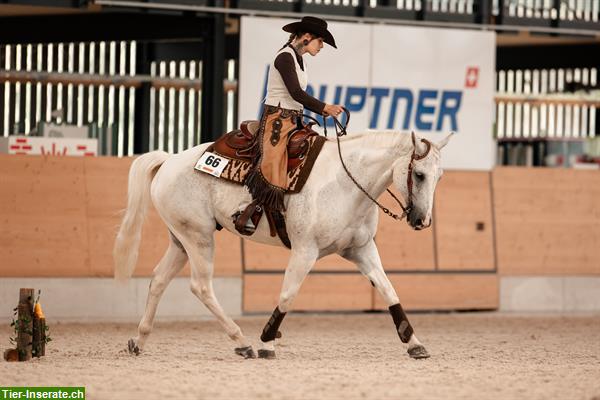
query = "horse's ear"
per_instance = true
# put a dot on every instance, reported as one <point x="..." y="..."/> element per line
<point x="444" y="141"/>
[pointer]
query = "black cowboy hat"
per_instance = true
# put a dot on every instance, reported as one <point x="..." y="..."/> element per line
<point x="314" y="25"/>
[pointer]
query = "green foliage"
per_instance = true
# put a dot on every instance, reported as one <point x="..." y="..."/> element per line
<point x="19" y="325"/>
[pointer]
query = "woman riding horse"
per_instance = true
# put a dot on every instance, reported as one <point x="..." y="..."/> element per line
<point x="282" y="113"/>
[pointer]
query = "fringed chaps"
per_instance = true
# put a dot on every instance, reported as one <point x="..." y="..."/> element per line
<point x="267" y="182"/>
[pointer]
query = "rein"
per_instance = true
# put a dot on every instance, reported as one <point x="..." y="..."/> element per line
<point x="340" y="130"/>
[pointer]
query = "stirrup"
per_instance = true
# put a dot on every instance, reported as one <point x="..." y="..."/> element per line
<point x="248" y="228"/>
<point x="246" y="221"/>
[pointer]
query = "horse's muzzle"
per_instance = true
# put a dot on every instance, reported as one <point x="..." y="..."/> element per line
<point x="417" y="222"/>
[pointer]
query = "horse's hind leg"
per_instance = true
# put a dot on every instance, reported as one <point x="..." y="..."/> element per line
<point x="369" y="263"/>
<point x="169" y="266"/>
<point x="201" y="261"/>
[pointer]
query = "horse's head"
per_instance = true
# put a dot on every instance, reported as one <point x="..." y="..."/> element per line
<point x="417" y="180"/>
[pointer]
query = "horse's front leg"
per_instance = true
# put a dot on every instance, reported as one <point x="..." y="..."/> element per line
<point x="369" y="263"/>
<point x="300" y="263"/>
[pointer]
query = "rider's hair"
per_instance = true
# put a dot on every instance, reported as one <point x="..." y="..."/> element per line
<point x="296" y="35"/>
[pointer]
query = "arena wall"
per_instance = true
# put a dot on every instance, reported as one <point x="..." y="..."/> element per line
<point x="514" y="239"/>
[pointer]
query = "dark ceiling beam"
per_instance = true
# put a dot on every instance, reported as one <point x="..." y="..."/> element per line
<point x="85" y="27"/>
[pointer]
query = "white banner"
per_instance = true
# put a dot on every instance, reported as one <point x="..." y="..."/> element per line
<point x="428" y="80"/>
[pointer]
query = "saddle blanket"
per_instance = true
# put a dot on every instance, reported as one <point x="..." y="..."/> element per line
<point x="236" y="169"/>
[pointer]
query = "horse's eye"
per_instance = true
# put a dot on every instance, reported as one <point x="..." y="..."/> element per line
<point x="420" y="176"/>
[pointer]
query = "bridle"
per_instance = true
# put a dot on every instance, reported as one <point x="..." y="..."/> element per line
<point x="340" y="130"/>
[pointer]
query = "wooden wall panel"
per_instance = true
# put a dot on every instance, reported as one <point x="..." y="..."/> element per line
<point x="463" y="222"/>
<point x="228" y="254"/>
<point x="444" y="291"/>
<point x="402" y="248"/>
<point x="319" y="292"/>
<point x="547" y="221"/>
<point x="43" y="217"/>
<point x="106" y="189"/>
<point x="60" y="215"/>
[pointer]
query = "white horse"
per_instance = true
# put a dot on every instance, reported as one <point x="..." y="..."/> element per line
<point x="330" y="215"/>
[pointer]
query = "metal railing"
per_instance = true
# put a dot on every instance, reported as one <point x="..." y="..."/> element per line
<point x="546" y="104"/>
<point x="94" y="84"/>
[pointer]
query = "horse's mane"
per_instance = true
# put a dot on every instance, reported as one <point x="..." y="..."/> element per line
<point x="380" y="138"/>
<point x="396" y="141"/>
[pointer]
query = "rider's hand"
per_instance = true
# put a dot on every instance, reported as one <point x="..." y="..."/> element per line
<point x="332" y="110"/>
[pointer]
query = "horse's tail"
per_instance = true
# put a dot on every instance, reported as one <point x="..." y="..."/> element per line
<point x="127" y="243"/>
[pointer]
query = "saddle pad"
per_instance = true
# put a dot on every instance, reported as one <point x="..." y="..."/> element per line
<point x="236" y="170"/>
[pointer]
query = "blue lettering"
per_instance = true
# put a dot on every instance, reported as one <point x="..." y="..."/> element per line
<point x="378" y="94"/>
<point x="356" y="97"/>
<point x="401" y="94"/>
<point x="432" y="111"/>
<point x="423" y="110"/>
<point x="449" y="106"/>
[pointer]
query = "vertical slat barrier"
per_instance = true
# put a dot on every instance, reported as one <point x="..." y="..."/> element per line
<point x="510" y="85"/>
<point x="71" y="70"/>
<point x="230" y="97"/>
<point x="191" y="115"/>
<point x="501" y="107"/>
<point x="110" y="105"/>
<point x="17" y="113"/>
<point x="49" y="68"/>
<point x="552" y="109"/>
<point x="199" y="106"/>
<point x="543" y="89"/>
<point x="92" y="89"/>
<point x="80" y="89"/>
<point x="28" y="87"/>
<point x="131" y="114"/>
<point x="171" y="110"/>
<point x="585" y="80"/>
<point x="568" y="117"/>
<point x="120" y="109"/>
<point x="535" y="110"/>
<point x="181" y="114"/>
<point x="519" y="106"/>
<point x="6" y="122"/>
<point x="110" y="122"/>
<point x="101" y="88"/>
<point x="162" y="71"/>
<point x="60" y="51"/>
<point x="526" y="129"/>
<point x="152" y="145"/>
<point x="593" y="82"/>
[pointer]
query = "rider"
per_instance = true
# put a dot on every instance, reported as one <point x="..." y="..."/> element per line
<point x="282" y="112"/>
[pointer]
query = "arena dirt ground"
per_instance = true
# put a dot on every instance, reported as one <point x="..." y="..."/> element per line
<point x="352" y="356"/>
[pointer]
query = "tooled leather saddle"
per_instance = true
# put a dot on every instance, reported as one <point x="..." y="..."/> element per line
<point x="240" y="144"/>
<point x="241" y="148"/>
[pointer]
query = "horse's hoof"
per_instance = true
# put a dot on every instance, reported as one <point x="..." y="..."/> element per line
<point x="133" y="347"/>
<point x="246" y="352"/>
<point x="268" y="354"/>
<point x="418" y="352"/>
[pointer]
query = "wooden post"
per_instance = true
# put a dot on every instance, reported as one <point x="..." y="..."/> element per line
<point x="36" y="342"/>
<point x="43" y="341"/>
<point x="25" y="324"/>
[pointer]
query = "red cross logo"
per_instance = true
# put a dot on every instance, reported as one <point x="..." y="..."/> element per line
<point x="472" y="77"/>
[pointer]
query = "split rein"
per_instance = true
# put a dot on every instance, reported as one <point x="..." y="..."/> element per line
<point x="340" y="130"/>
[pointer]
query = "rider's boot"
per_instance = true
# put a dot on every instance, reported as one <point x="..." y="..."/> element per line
<point x="246" y="218"/>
